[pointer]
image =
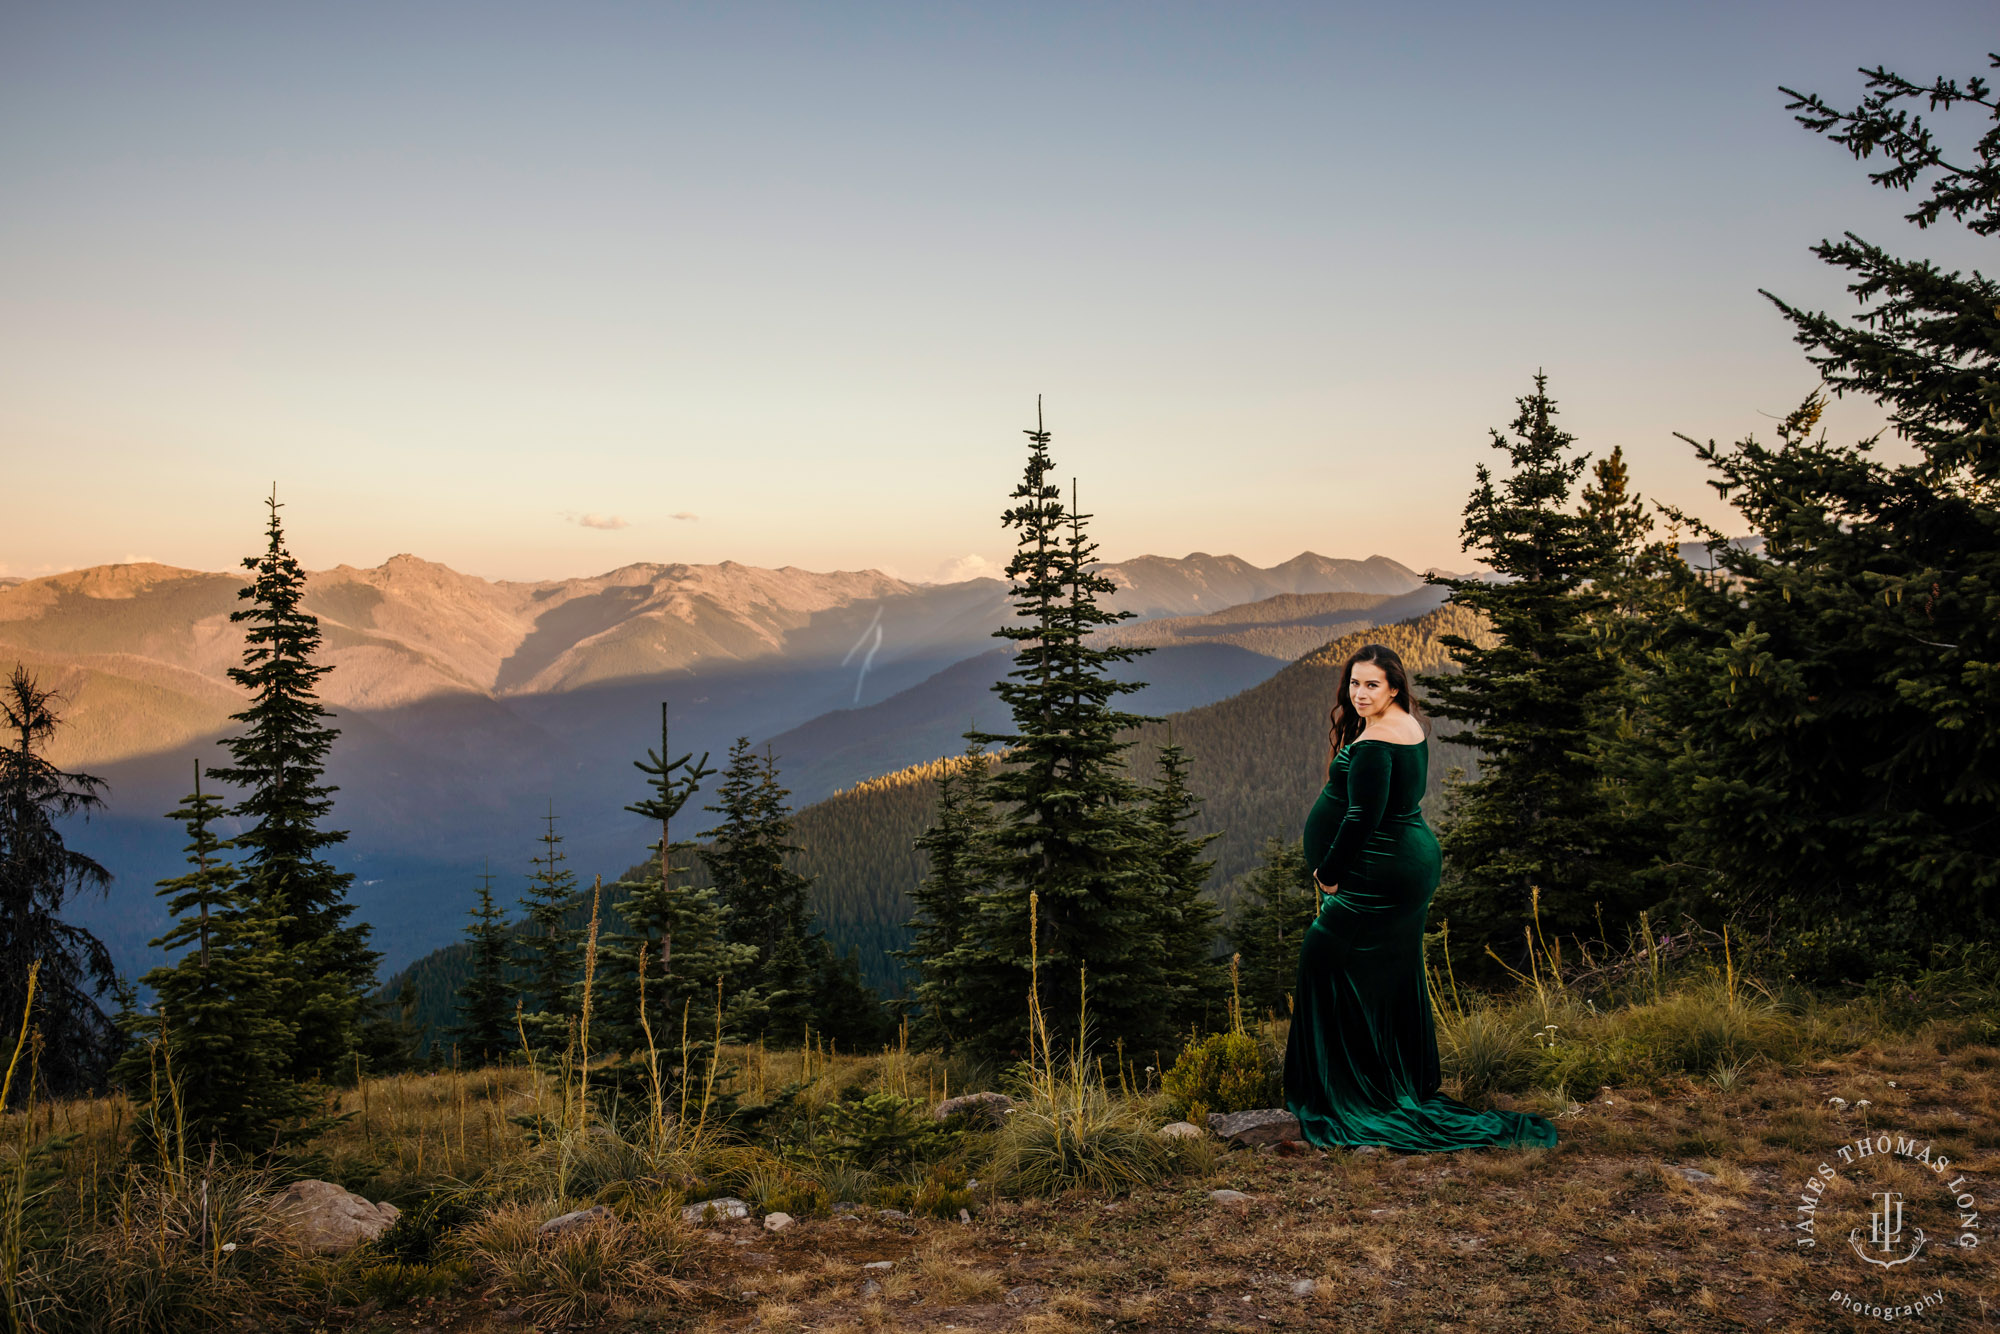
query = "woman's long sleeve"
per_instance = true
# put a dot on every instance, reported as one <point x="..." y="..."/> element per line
<point x="1368" y="774"/>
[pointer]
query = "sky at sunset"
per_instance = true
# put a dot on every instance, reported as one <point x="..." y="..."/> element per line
<point x="540" y="290"/>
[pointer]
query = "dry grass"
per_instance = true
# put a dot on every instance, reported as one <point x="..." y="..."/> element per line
<point x="1601" y="1233"/>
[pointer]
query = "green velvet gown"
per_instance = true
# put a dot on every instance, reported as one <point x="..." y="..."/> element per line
<point x="1361" y="1065"/>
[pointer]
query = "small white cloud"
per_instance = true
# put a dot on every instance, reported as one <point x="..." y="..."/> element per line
<point x="140" y="560"/>
<point x="684" y="515"/>
<point x="604" y="521"/>
<point x="968" y="567"/>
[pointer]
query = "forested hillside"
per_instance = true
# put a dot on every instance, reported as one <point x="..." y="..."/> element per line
<point x="1258" y="760"/>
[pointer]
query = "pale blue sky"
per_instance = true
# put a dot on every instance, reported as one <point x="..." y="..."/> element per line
<point x="459" y="275"/>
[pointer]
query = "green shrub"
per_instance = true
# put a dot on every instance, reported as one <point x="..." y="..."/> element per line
<point x="1223" y="1072"/>
<point x="881" y="1130"/>
<point x="420" y="1231"/>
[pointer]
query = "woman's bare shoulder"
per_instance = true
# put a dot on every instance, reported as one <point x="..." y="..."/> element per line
<point x="1402" y="730"/>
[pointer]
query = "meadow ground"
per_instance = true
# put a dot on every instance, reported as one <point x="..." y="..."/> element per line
<point x="1599" y="1234"/>
<point x="1671" y="1202"/>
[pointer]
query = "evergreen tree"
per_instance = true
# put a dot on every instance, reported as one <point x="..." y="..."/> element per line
<point x="1071" y="832"/>
<point x="845" y="1008"/>
<point x="676" y="931"/>
<point x="1842" y="712"/>
<point x="942" y="941"/>
<point x="1196" y="987"/>
<point x="218" y="1026"/>
<point x="550" y="949"/>
<point x="279" y="761"/>
<point x="763" y="898"/>
<point x="1277" y="907"/>
<point x="485" y="1029"/>
<point x="389" y="1038"/>
<point x="1641" y="599"/>
<point x="38" y="874"/>
<point x="1536" y="818"/>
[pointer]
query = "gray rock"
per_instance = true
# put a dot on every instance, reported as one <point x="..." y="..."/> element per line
<point x="1694" y="1174"/>
<point x="965" y="1215"/>
<point x="892" y="1215"/>
<point x="1305" y="1287"/>
<point x="726" y="1207"/>
<point x="571" y="1222"/>
<point x="777" y="1222"/>
<point x="1265" y="1125"/>
<point x="992" y="1108"/>
<point x="1366" y="1150"/>
<point x="1227" y="1196"/>
<point x="880" y="1264"/>
<point x="1182" y="1130"/>
<point x="871" y="1289"/>
<point x="330" y="1219"/>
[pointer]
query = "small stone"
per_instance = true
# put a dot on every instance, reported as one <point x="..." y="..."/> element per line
<point x="880" y="1264"/>
<point x="1265" y="1125"/>
<point x="331" y="1219"/>
<point x="1305" y="1287"/>
<point x="964" y="1216"/>
<point x="992" y="1108"/>
<point x="571" y="1222"/>
<point x="777" y="1222"/>
<point x="1227" y="1196"/>
<point x="892" y="1215"/>
<point x="1367" y="1150"/>
<point x="1694" y="1174"/>
<point x="871" y="1288"/>
<point x="1182" y="1130"/>
<point x="726" y="1207"/>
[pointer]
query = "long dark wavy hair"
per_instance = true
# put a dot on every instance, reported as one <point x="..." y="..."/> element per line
<point x="1343" y="724"/>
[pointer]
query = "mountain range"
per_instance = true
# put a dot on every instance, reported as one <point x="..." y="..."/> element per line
<point x="469" y="707"/>
<point x="1256" y="759"/>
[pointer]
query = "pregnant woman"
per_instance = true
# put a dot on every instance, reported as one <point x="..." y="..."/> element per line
<point x="1361" y="1065"/>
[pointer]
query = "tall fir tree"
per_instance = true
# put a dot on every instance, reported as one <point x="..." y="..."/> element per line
<point x="764" y="899"/>
<point x="1640" y="599"/>
<point x="279" y="763"/>
<point x="549" y="949"/>
<point x="1836" y="720"/>
<point x="1196" y="986"/>
<point x="1277" y="906"/>
<point x="484" y="1033"/>
<point x="1071" y="831"/>
<point x="1848" y="772"/>
<point x="39" y="873"/>
<point x="219" y="1028"/>
<point x="675" y="931"/>
<point x="1536" y="819"/>
<point x="942" y="950"/>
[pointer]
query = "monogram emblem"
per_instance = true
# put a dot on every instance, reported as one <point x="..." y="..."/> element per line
<point x="1885" y="1233"/>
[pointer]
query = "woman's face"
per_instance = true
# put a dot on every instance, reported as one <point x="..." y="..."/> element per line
<point x="1368" y="689"/>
